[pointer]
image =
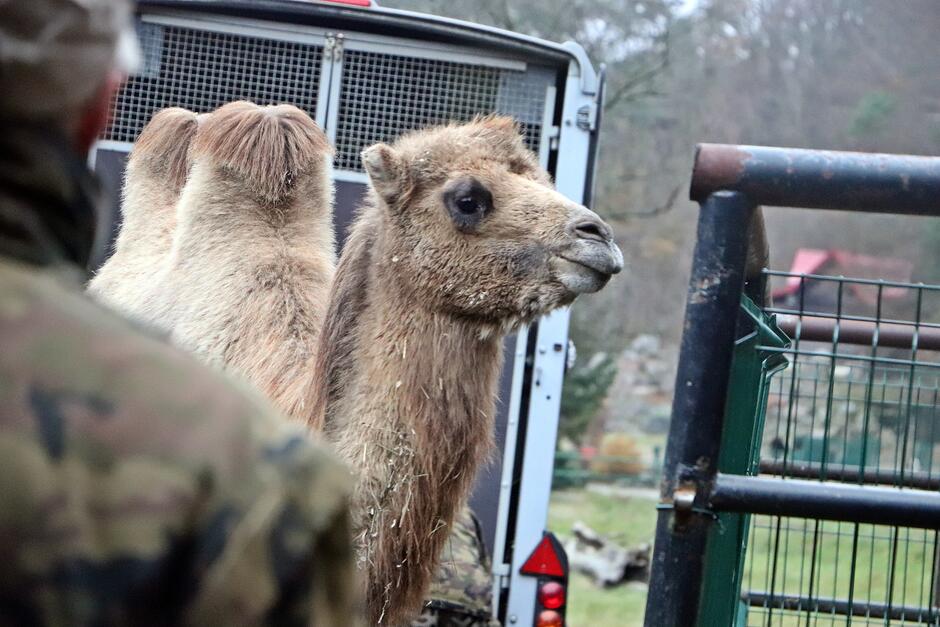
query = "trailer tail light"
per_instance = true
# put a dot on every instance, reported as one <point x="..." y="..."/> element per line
<point x="549" y="563"/>
<point x="549" y="618"/>
<point x="546" y="559"/>
<point x="552" y="595"/>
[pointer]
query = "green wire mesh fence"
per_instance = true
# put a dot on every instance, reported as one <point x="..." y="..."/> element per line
<point x="858" y="402"/>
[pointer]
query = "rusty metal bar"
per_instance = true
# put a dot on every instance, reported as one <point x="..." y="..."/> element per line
<point x="819" y="329"/>
<point x="850" y="474"/>
<point x="691" y="459"/>
<point x="820" y="179"/>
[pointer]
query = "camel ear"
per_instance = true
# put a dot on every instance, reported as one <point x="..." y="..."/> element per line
<point x="386" y="170"/>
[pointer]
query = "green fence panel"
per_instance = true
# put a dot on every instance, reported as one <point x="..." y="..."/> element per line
<point x="751" y="370"/>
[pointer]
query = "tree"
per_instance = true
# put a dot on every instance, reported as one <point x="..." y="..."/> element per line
<point x="584" y="391"/>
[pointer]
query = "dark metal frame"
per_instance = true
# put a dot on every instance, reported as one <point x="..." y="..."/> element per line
<point x="730" y="182"/>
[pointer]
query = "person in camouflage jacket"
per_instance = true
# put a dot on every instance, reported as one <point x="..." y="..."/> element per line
<point x="462" y="590"/>
<point x="136" y="486"/>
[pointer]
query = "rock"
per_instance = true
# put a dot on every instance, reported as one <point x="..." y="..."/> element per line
<point x="606" y="562"/>
<point x="646" y="344"/>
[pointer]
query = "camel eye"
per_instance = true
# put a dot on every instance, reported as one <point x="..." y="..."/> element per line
<point x="468" y="205"/>
<point x="467" y="202"/>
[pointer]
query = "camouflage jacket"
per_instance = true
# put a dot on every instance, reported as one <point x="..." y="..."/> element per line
<point x="462" y="592"/>
<point x="136" y="487"/>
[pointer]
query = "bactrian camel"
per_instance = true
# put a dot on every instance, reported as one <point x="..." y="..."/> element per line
<point x="155" y="174"/>
<point x="462" y="239"/>
<point x="243" y="279"/>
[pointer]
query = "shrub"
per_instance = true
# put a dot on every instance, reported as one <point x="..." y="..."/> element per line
<point x="618" y="455"/>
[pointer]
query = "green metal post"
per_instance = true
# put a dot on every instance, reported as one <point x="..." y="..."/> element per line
<point x="751" y="370"/>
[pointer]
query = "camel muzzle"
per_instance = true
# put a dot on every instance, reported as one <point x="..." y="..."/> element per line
<point x="593" y="244"/>
<point x="590" y="256"/>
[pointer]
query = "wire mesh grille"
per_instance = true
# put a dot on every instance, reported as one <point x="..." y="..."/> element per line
<point x="201" y="70"/>
<point x="858" y="403"/>
<point x="386" y="95"/>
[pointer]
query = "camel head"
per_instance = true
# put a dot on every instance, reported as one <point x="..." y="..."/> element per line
<point x="475" y="227"/>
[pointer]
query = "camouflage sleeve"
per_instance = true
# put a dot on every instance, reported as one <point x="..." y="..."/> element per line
<point x="138" y="488"/>
<point x="461" y="594"/>
<point x="287" y="557"/>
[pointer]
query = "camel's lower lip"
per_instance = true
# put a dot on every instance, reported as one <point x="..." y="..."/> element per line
<point x="584" y="264"/>
<point x="578" y="277"/>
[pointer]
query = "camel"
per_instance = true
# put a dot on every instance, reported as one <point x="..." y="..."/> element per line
<point x="463" y="238"/>
<point x="156" y="172"/>
<point x="244" y="286"/>
<point x="240" y="275"/>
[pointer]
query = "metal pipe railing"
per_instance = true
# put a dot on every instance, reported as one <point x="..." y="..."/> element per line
<point x="729" y="182"/>
<point x="691" y="457"/>
<point x="825" y="500"/>
<point x="859" y="332"/>
<point x="841" y="607"/>
<point x="819" y="179"/>
<point x="851" y="474"/>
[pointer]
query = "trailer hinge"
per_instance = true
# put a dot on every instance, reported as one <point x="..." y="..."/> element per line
<point x="587" y="117"/>
<point x="501" y="579"/>
<point x="333" y="46"/>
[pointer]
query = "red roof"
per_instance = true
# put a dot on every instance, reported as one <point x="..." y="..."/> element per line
<point x="844" y="263"/>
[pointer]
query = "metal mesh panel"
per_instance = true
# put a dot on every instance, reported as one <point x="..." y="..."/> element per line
<point x="202" y="70"/>
<point x="858" y="403"/>
<point x="384" y="95"/>
<point x="811" y="572"/>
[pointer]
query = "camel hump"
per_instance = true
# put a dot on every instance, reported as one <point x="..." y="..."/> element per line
<point x="163" y="145"/>
<point x="267" y="148"/>
<point x="499" y="123"/>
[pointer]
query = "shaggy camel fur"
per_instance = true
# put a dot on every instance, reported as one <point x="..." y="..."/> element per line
<point x="253" y="255"/>
<point x="156" y="172"/>
<point x="463" y="238"/>
<point x="243" y="284"/>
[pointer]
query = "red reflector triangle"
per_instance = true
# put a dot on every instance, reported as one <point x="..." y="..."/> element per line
<point x="543" y="561"/>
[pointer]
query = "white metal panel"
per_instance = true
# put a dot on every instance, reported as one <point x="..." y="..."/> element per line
<point x="324" y="81"/>
<point x="333" y="56"/>
<point x="426" y="50"/>
<point x="500" y="570"/>
<point x="548" y="375"/>
<point x="241" y="26"/>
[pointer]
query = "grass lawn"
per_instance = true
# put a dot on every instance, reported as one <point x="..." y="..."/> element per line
<point x="631" y="521"/>
<point x="804" y="558"/>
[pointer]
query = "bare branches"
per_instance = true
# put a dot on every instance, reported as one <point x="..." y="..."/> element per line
<point x="661" y="209"/>
<point x="501" y="15"/>
<point x="641" y="84"/>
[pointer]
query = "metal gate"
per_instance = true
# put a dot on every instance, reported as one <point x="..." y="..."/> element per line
<point x="802" y="475"/>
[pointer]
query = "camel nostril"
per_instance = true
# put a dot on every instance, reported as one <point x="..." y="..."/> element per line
<point x="591" y="230"/>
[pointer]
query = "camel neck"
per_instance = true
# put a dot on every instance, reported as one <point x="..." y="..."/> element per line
<point x="406" y="395"/>
<point x="417" y="422"/>
<point x="433" y="358"/>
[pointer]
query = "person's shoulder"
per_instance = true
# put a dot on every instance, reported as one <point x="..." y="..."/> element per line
<point x="117" y="449"/>
<point x="65" y="354"/>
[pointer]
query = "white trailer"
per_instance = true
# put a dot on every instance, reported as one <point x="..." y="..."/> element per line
<point x="368" y="74"/>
